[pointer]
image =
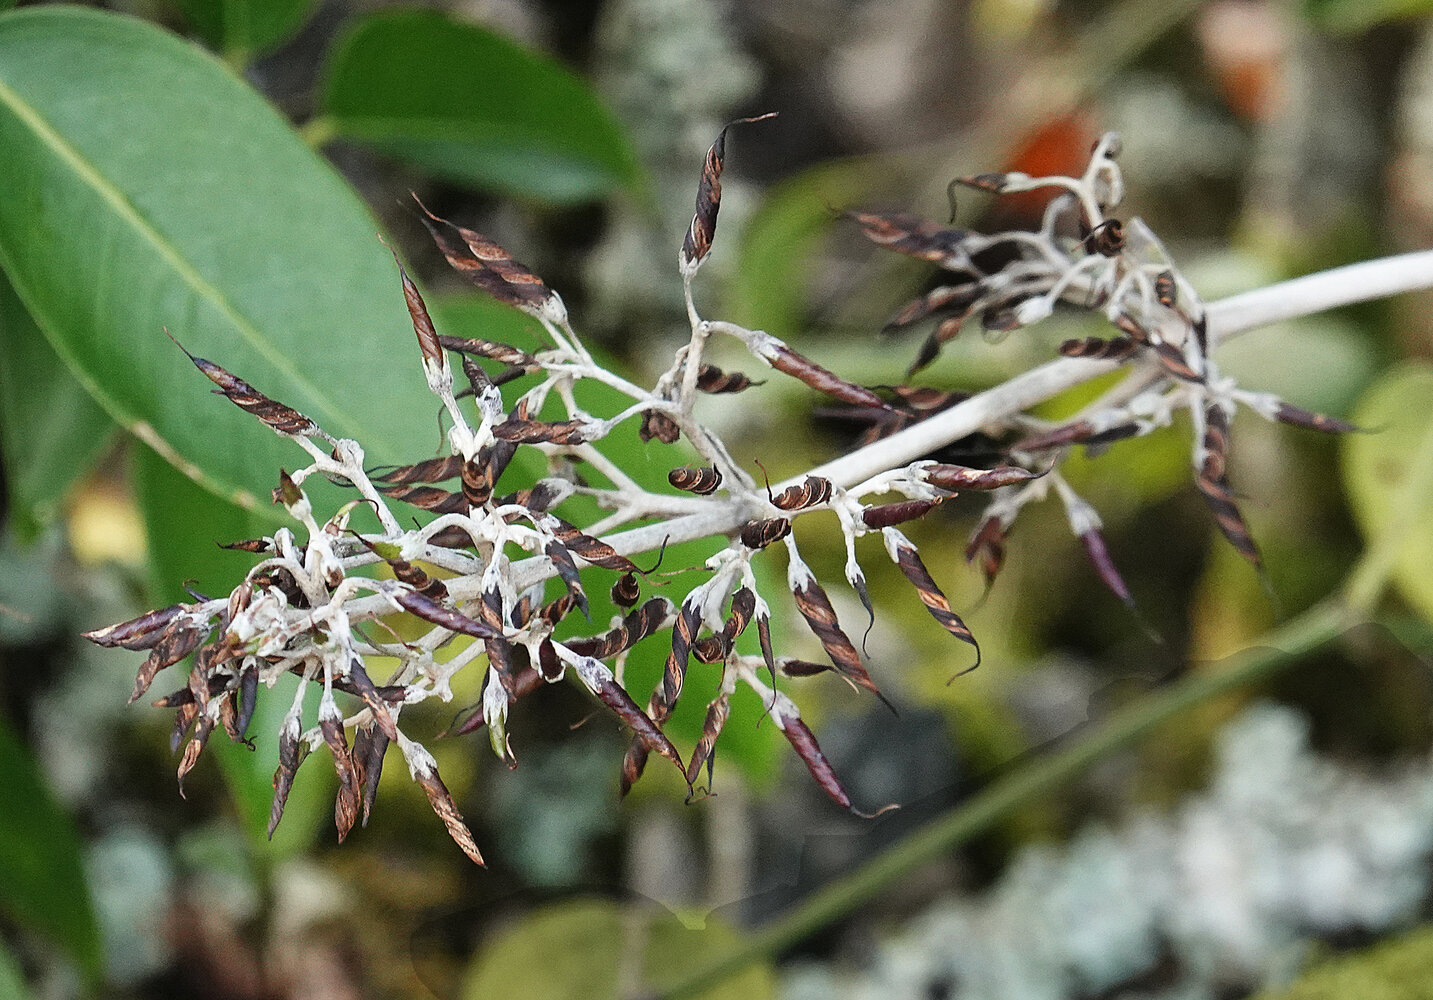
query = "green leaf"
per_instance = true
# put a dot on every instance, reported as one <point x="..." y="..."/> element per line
<point x="183" y="523"/>
<point x="147" y="187"/>
<point x="577" y="950"/>
<point x="51" y="431"/>
<point x="1351" y="17"/>
<point x="42" y="877"/>
<point x="241" y="28"/>
<point x="1391" y="970"/>
<point x="1378" y="464"/>
<point x="475" y="108"/>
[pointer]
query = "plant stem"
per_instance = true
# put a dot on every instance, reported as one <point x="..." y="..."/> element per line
<point x="1278" y="651"/>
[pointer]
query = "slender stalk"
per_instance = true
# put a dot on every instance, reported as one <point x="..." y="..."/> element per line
<point x="1278" y="651"/>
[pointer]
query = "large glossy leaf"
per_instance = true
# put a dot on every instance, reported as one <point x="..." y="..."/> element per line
<point x="147" y="187"/>
<point x="50" y="428"/>
<point x="1377" y="469"/>
<point x="242" y="28"/>
<point x="42" y="878"/>
<point x="469" y="105"/>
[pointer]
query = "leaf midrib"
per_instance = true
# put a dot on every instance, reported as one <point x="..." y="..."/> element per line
<point x="126" y="211"/>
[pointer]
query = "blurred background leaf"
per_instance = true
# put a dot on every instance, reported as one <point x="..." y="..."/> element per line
<point x="42" y="876"/>
<point x="473" y="107"/>
<point x="243" y="28"/>
<point x="189" y="185"/>
<point x="51" y="430"/>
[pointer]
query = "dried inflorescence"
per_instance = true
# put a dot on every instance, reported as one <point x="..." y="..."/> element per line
<point x="305" y="609"/>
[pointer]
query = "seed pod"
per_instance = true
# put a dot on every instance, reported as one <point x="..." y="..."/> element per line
<point x="1164" y="289"/>
<point x="712" y="380"/>
<point x="554" y="612"/>
<point x="763" y="633"/>
<point x="432" y="350"/>
<point x="912" y="236"/>
<point x="710" y="649"/>
<point x="525" y="680"/>
<point x="430" y="610"/>
<point x="664" y="697"/>
<point x="143" y="632"/>
<point x="987" y="544"/>
<point x="1171" y="358"/>
<point x="178" y="640"/>
<point x="361" y="684"/>
<point x="626" y="592"/>
<point x="760" y="534"/>
<point x="282" y="419"/>
<point x="1107" y="239"/>
<point x="803" y="369"/>
<point x="248" y="697"/>
<point x="1214" y="486"/>
<point x="594" y="550"/>
<point x="659" y="426"/>
<point x="815" y="607"/>
<point x="958" y="477"/>
<point x="1127" y="325"/>
<point x="429" y="498"/>
<point x="803" y="741"/>
<point x="635" y="627"/>
<point x="292" y="752"/>
<point x="493" y="351"/>
<point x="702" y="480"/>
<point x="1111" y="435"/>
<point x="567" y="570"/>
<point x="252" y="545"/>
<point x="994" y="183"/>
<point x="433" y="470"/>
<point x="369" y="747"/>
<point x="425" y="773"/>
<point x="939" y="300"/>
<point x="698" y="242"/>
<point x="905" y="556"/>
<point x="705" y="750"/>
<point x="1113" y="349"/>
<point x="1099" y="554"/>
<point x="541" y="432"/>
<point x="743" y="607"/>
<point x="811" y="491"/>
<point x="346" y="802"/>
<point x="487" y="265"/>
<point x="1057" y="437"/>
<point x="1314" y="421"/>
<point x="792" y="667"/>
<point x="887" y="515"/>
<point x="287" y="492"/>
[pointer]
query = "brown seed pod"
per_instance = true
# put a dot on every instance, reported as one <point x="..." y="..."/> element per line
<point x="433" y="470"/>
<point x="698" y="242"/>
<point x="743" y="607"/>
<point x="1165" y="291"/>
<point x="803" y="741"/>
<point x="701" y="480"/>
<point x="912" y="236"/>
<point x="811" y="491"/>
<point x="710" y="649"/>
<point x="369" y="747"/>
<point x="1171" y="358"/>
<point x="441" y="801"/>
<point x="959" y="477"/>
<point x="525" y="681"/>
<point x="541" y="432"/>
<point x="937" y="301"/>
<point x="714" y="381"/>
<point x="178" y="640"/>
<point x="493" y="351"/>
<point x="635" y="627"/>
<point x="143" y="632"/>
<point x="705" y="750"/>
<point x="430" y="610"/>
<point x="1099" y="553"/>
<point x="1313" y="421"/>
<point x="292" y="753"/>
<point x="659" y="426"/>
<point x="987" y="545"/>
<point x="428" y="344"/>
<point x="815" y="607"/>
<point x="566" y="568"/>
<point x="626" y="592"/>
<point x="760" y="534"/>
<point x="282" y="419"/>
<point x="803" y="369"/>
<point x="487" y="265"/>
<point x="887" y="515"/>
<point x="429" y="498"/>
<point x="593" y="550"/>
<point x="1057" y="437"/>
<point x="1113" y="349"/>
<point x="905" y="556"/>
<point x="361" y="684"/>
<point x="1215" y="488"/>
<point x="346" y="802"/>
<point x="1107" y="239"/>
<point x="664" y="698"/>
<point x="792" y="667"/>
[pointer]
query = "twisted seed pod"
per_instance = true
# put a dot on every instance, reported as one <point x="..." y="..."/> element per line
<point x="433" y="470"/>
<point x="701" y="480"/>
<point x="1164" y="289"/>
<point x="1113" y="349"/>
<point x="698" y="241"/>
<point x="808" y="493"/>
<point x="626" y="592"/>
<point x="282" y="419"/>
<point x="760" y="534"/>
<point x="714" y="381"/>
<point x="659" y="426"/>
<point x="887" y="515"/>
